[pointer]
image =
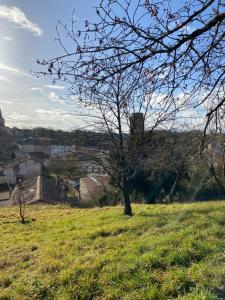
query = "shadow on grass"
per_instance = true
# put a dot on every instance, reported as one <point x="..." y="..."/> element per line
<point x="28" y="221"/>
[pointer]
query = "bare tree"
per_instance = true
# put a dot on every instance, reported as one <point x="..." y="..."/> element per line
<point x="179" y="46"/>
<point x="112" y="104"/>
<point x="21" y="202"/>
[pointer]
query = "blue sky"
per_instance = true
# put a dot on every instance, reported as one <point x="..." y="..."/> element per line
<point x="27" y="33"/>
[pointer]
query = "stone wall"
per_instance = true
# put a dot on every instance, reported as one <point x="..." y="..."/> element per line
<point x="4" y="195"/>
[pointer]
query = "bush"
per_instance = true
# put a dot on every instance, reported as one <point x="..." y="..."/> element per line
<point x="110" y="199"/>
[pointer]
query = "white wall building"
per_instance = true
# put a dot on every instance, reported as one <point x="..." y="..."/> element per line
<point x="51" y="150"/>
<point x="24" y="169"/>
<point x="61" y="150"/>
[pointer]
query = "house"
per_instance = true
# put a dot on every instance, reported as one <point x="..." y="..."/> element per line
<point x="90" y="160"/>
<point x="50" y="150"/>
<point x="3" y="178"/>
<point x="62" y="150"/>
<point x="39" y="157"/>
<point x="34" y="148"/>
<point x="93" y="187"/>
<point x="4" y="191"/>
<point x="37" y="190"/>
<point x="21" y="168"/>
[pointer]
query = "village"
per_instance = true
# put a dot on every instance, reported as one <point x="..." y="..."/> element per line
<point x="37" y="168"/>
<point x="28" y="164"/>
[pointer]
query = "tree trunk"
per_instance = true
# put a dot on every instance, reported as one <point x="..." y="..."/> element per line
<point x="217" y="180"/>
<point x="127" y="205"/>
<point x="21" y="214"/>
<point x="169" y="196"/>
<point x="21" y="208"/>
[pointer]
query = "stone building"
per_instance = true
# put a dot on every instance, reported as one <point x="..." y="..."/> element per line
<point x="137" y="124"/>
<point x="2" y="120"/>
<point x="92" y="188"/>
<point x="4" y="128"/>
<point x="4" y="192"/>
<point x="5" y="189"/>
<point x="37" y="190"/>
<point x="34" y="148"/>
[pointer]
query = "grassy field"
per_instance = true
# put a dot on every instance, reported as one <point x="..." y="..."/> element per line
<point x="162" y="252"/>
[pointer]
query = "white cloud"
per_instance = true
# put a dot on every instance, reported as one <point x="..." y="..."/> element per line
<point x="38" y="89"/>
<point x="6" y="102"/>
<point x="50" y="95"/>
<point x="54" y="97"/>
<point x="2" y="78"/>
<point x="18" y="117"/>
<point x="11" y="69"/>
<point x="54" y="87"/>
<point x="8" y="38"/>
<point x="43" y="113"/>
<point x="57" y="118"/>
<point x="8" y="68"/>
<point x="16" y="15"/>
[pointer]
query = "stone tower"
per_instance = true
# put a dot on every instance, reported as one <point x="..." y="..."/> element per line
<point x="137" y="123"/>
<point x="2" y="121"/>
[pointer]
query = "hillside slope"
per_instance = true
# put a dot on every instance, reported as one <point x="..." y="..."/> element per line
<point x="162" y="252"/>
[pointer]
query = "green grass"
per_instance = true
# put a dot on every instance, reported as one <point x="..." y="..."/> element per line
<point x="162" y="252"/>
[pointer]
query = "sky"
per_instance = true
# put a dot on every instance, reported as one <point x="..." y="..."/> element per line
<point x="27" y="33"/>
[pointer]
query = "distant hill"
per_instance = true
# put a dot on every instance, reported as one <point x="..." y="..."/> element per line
<point x="87" y="138"/>
<point x="50" y="136"/>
